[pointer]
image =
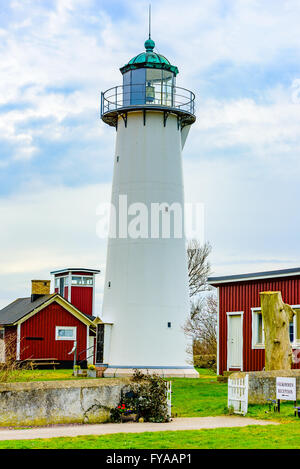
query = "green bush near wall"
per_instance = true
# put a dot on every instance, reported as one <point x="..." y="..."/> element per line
<point x="205" y="361"/>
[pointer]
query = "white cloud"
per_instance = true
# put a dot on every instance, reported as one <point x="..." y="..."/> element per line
<point x="270" y="127"/>
<point x="46" y="229"/>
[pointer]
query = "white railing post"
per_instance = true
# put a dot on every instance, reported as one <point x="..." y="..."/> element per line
<point x="169" y="397"/>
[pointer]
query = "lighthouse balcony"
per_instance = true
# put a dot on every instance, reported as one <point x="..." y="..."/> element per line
<point x="122" y="99"/>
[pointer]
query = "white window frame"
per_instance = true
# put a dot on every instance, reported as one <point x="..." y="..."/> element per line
<point x="74" y="337"/>
<point x="90" y="277"/>
<point x="255" y="345"/>
<point x="57" y="281"/>
<point x="241" y="314"/>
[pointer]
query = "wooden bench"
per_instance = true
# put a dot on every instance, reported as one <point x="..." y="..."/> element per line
<point x="33" y="362"/>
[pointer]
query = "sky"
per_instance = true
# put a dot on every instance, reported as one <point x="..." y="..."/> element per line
<point x="241" y="160"/>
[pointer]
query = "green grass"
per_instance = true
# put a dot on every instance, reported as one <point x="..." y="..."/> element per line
<point x="207" y="397"/>
<point x="199" y="397"/>
<point x="22" y="376"/>
<point x="253" y="437"/>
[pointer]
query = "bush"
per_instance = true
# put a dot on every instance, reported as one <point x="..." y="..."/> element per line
<point x="206" y="361"/>
<point x="11" y="368"/>
<point x="147" y="399"/>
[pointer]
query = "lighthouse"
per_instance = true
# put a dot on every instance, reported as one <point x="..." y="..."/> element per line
<point x="146" y="297"/>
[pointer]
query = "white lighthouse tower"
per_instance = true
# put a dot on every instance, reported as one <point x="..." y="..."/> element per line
<point x="146" y="298"/>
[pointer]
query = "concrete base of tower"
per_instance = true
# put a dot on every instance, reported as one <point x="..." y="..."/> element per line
<point x="111" y="372"/>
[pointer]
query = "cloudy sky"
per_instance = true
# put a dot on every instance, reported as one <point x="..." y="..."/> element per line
<point x="242" y="161"/>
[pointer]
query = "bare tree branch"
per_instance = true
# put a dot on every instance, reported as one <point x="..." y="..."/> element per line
<point x="198" y="266"/>
<point x="201" y="327"/>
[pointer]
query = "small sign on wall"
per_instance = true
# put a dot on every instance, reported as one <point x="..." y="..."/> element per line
<point x="286" y="389"/>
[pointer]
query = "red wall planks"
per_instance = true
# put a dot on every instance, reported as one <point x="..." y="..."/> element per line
<point x="82" y="299"/>
<point x="242" y="296"/>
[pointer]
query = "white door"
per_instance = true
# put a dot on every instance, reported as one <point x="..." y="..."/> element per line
<point x="235" y="343"/>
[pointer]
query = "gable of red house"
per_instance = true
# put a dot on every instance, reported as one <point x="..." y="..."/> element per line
<point x="45" y="327"/>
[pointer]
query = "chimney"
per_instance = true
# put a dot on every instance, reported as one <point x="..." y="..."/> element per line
<point x="39" y="288"/>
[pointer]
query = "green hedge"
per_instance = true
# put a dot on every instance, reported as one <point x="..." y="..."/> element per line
<point x="205" y="361"/>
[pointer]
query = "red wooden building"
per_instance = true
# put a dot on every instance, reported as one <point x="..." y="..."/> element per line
<point x="45" y="326"/>
<point x="240" y="326"/>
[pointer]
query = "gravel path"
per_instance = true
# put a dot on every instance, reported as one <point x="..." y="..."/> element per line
<point x="195" y="423"/>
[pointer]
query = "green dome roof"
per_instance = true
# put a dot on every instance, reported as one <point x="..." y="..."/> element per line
<point x="149" y="59"/>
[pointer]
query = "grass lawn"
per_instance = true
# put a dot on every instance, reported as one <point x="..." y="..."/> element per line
<point x="201" y="397"/>
<point x="22" y="376"/>
<point x="254" y="437"/>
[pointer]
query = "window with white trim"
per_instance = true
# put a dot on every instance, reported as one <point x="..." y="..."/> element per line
<point x="65" y="333"/>
<point x="258" y="333"/>
<point x="78" y="280"/>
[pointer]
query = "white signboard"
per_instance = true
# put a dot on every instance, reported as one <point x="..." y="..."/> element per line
<point x="286" y="389"/>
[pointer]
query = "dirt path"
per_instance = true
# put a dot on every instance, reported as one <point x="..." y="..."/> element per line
<point x="195" y="423"/>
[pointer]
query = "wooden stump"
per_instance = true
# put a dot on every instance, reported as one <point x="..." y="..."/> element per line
<point x="276" y="317"/>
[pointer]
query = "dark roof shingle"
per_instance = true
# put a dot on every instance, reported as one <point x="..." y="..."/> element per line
<point x="20" y="308"/>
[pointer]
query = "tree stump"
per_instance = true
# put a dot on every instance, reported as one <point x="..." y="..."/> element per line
<point x="276" y="317"/>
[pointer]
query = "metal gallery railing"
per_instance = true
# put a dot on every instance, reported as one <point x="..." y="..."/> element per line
<point x="124" y="96"/>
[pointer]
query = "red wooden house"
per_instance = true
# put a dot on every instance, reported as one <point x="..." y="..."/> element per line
<point x="240" y="326"/>
<point x="45" y="326"/>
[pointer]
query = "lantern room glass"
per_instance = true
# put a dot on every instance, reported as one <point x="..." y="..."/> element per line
<point x="148" y="86"/>
<point x="159" y="87"/>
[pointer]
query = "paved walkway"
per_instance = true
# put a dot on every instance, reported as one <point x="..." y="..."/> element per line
<point x="195" y="423"/>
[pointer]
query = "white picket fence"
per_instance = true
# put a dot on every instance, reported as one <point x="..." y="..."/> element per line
<point x="169" y="397"/>
<point x="238" y="395"/>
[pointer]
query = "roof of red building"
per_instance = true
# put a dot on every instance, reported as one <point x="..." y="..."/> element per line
<point x="21" y="307"/>
<point x="254" y="276"/>
<point x="71" y="269"/>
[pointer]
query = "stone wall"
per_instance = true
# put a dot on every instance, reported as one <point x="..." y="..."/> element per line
<point x="262" y="384"/>
<point x="58" y="402"/>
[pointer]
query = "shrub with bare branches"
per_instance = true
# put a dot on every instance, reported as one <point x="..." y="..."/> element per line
<point x="201" y="327"/>
<point x="198" y="266"/>
<point x="10" y="369"/>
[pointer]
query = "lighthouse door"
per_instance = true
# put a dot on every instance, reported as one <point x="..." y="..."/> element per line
<point x="100" y="343"/>
<point x="235" y="341"/>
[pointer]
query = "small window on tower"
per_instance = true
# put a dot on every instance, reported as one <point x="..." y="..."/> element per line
<point x="169" y="324"/>
<point x="87" y="280"/>
<point x="118" y="159"/>
<point x="76" y="280"/>
<point x="109" y="284"/>
<point x="1" y="334"/>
